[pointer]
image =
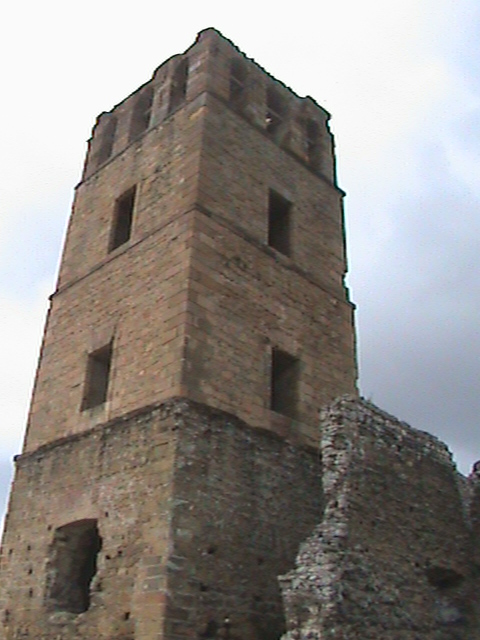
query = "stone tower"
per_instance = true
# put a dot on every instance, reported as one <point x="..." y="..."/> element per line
<point x="200" y="320"/>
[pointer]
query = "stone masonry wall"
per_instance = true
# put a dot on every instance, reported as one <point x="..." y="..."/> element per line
<point x="246" y="297"/>
<point x="197" y="514"/>
<point x="120" y="475"/>
<point x="194" y="299"/>
<point x="138" y="300"/>
<point x="393" y="555"/>
<point x="243" y="301"/>
<point x="238" y="167"/>
<point x="244" y="499"/>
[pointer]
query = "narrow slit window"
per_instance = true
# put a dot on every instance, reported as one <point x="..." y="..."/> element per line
<point x="71" y="566"/>
<point x="141" y="113"/>
<point x="238" y="78"/>
<point x="279" y="223"/>
<point x="284" y="383"/>
<point x="122" y="219"/>
<point x="107" y="140"/>
<point x="178" y="90"/>
<point x="97" y="377"/>
<point x="276" y="111"/>
<point x="313" y="144"/>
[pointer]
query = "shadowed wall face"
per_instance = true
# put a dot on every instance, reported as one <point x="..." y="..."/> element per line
<point x="245" y="501"/>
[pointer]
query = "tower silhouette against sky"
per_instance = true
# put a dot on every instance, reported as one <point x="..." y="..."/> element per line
<point x="200" y="320"/>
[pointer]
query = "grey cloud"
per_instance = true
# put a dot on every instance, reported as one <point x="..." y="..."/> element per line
<point x="6" y="472"/>
<point x="418" y="309"/>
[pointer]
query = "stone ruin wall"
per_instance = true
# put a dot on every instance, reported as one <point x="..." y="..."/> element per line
<point x="196" y="515"/>
<point x="394" y="557"/>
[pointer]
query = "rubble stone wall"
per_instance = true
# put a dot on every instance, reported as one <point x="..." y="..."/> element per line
<point x="190" y="513"/>
<point x="244" y="500"/>
<point x="392" y="557"/>
<point x="119" y="475"/>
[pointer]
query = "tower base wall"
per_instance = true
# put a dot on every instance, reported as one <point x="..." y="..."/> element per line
<point x="194" y="515"/>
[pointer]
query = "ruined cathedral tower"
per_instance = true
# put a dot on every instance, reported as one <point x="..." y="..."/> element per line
<point x="200" y="321"/>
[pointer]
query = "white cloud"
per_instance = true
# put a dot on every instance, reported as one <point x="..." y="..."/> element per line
<point x="21" y="324"/>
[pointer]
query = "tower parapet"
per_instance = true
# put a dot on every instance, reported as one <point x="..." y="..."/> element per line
<point x="214" y="65"/>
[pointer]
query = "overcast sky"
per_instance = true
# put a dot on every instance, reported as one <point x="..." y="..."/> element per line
<point x="402" y="81"/>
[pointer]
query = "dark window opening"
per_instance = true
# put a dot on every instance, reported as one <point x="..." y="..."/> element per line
<point x="98" y="374"/>
<point x="122" y="219"/>
<point x="284" y="383"/>
<point x="313" y="144"/>
<point x="443" y="577"/>
<point x="276" y="111"/>
<point x="178" y="89"/>
<point x="72" y="565"/>
<point x="210" y="631"/>
<point x="141" y="113"/>
<point x="238" y="78"/>
<point x="107" y="140"/>
<point x="279" y="223"/>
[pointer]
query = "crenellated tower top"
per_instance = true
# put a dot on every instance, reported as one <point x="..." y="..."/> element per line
<point x="215" y="65"/>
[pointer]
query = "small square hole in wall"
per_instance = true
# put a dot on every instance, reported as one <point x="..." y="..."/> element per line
<point x="284" y="383"/>
<point x="122" y="219"/>
<point x="97" y="377"/>
<point x="279" y="223"/>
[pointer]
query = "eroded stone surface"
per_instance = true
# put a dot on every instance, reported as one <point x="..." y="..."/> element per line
<point x="393" y="555"/>
<point x="197" y="514"/>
